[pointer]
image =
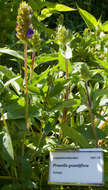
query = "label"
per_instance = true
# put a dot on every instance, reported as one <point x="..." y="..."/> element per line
<point x="81" y="167"/>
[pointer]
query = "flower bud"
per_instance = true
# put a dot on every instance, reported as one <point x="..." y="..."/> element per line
<point x="36" y="40"/>
<point x="63" y="36"/>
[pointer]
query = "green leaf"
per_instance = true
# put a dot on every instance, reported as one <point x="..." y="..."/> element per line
<point x="46" y="57"/>
<point x="89" y="19"/>
<point x="34" y="89"/>
<point x="11" y="52"/>
<point x="7" y="143"/>
<point x="66" y="104"/>
<point x="77" y="137"/>
<point x="100" y="92"/>
<point x="15" y="111"/>
<point x="59" y="7"/>
<point x="15" y="81"/>
<point x="12" y="186"/>
<point x="36" y="4"/>
<point x="52" y="8"/>
<point x="57" y="88"/>
<point x="26" y="169"/>
<point x="14" y="84"/>
<point x="11" y="81"/>
<point x="102" y="63"/>
<point x="105" y="26"/>
<point x="8" y="73"/>
<point x="87" y="132"/>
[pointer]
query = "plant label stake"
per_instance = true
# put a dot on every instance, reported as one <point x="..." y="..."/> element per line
<point x="79" y="167"/>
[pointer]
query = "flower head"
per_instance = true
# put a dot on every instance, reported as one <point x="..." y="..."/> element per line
<point x="24" y="22"/>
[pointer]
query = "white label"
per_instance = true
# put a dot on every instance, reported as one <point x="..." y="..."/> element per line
<point x="84" y="166"/>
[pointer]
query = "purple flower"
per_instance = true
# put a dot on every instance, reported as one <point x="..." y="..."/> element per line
<point x="29" y="32"/>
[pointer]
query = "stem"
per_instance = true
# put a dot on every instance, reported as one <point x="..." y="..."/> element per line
<point x="66" y="98"/>
<point x="32" y="68"/>
<point x="33" y="59"/>
<point x="26" y="97"/>
<point x="67" y="75"/>
<point x="4" y="122"/>
<point x="66" y="94"/>
<point x="26" y="90"/>
<point x="91" y="114"/>
<point x="31" y="71"/>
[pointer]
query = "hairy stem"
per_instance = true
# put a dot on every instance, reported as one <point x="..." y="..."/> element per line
<point x="26" y="96"/>
<point x="66" y="94"/>
<point x="26" y="90"/>
<point x="32" y="68"/>
<point x="66" y="98"/>
<point x="91" y="114"/>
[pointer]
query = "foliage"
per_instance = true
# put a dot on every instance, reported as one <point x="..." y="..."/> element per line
<point x="66" y="93"/>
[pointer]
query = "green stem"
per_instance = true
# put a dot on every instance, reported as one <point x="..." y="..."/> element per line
<point x="91" y="114"/>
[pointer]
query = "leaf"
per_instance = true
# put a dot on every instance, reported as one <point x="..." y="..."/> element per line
<point x="52" y="8"/>
<point x="102" y="63"/>
<point x="16" y="87"/>
<point x="100" y="92"/>
<point x="59" y="7"/>
<point x="103" y="102"/>
<point x="81" y="108"/>
<point x="66" y="104"/>
<point x="87" y="132"/>
<point x="34" y="89"/>
<point x="46" y="57"/>
<point x="36" y="4"/>
<point x="12" y="186"/>
<point x="102" y="118"/>
<point x="89" y="19"/>
<point x="15" y="111"/>
<point x="7" y="143"/>
<point x="105" y="26"/>
<point x="57" y="88"/>
<point x="77" y="137"/>
<point x="11" y="52"/>
<point x="8" y="73"/>
<point x="12" y="81"/>
<point x="39" y="78"/>
<point x="26" y="169"/>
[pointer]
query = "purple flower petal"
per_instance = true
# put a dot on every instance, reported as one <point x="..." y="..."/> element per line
<point x="29" y="32"/>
